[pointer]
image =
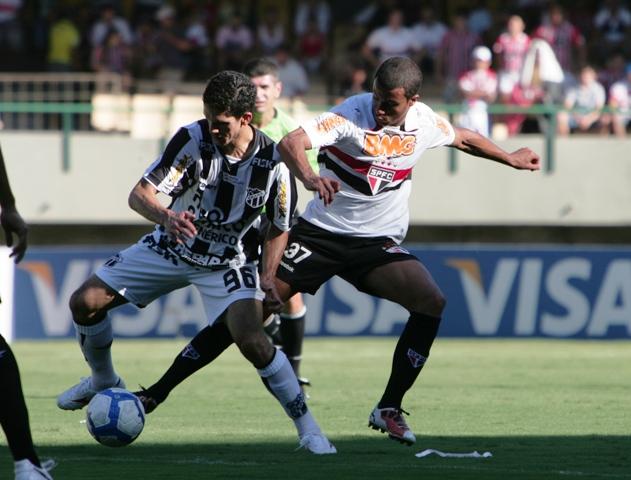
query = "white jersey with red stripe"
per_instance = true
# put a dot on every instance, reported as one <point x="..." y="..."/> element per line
<point x="374" y="166"/>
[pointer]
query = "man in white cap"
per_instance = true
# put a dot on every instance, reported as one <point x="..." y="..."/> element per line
<point x="478" y="87"/>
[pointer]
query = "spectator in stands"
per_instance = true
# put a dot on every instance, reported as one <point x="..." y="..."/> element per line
<point x="234" y="42"/>
<point x="312" y="46"/>
<point x="454" y="55"/>
<point x="173" y="48"/>
<point x="564" y="38"/>
<point x="511" y="47"/>
<point x="196" y="34"/>
<point x="613" y="23"/>
<point x="108" y="21"/>
<point x="145" y="55"/>
<point x="113" y="56"/>
<point x="63" y="41"/>
<point x="291" y="74"/>
<point x="586" y="100"/>
<point x="312" y="9"/>
<point x="614" y="71"/>
<point x="620" y="104"/>
<point x="479" y="88"/>
<point x="480" y="19"/>
<point x="354" y="80"/>
<point x="371" y="16"/>
<point x="391" y="40"/>
<point x="428" y="33"/>
<point x="11" y="39"/>
<point x="270" y="32"/>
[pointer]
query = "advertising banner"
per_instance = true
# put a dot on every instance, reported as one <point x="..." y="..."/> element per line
<point x="491" y="291"/>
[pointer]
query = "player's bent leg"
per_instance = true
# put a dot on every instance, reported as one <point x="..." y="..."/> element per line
<point x="409" y="284"/>
<point x="89" y="306"/>
<point x="243" y="319"/>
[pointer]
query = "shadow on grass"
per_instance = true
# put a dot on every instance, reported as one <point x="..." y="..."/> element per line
<point x="362" y="457"/>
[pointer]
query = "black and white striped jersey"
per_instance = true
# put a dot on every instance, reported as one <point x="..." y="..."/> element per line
<point x="225" y="198"/>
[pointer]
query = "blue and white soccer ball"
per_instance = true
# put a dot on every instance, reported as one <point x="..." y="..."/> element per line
<point x="115" y="417"/>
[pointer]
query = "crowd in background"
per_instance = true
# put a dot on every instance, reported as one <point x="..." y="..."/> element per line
<point x="481" y="52"/>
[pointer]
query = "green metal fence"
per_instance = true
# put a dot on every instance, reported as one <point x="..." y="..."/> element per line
<point x="68" y="110"/>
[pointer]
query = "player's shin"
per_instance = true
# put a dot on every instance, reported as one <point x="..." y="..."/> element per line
<point x="281" y="380"/>
<point x="409" y="357"/>
<point x="96" y="341"/>
<point x="292" y="332"/>
<point x="13" y="412"/>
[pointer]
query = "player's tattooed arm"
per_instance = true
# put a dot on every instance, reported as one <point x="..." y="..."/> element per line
<point x="475" y="144"/>
<point x="179" y="225"/>
<point x="12" y="222"/>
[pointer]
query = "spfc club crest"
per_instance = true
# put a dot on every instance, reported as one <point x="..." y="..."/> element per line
<point x="379" y="177"/>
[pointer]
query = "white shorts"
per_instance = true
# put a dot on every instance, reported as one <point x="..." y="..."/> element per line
<point x="142" y="275"/>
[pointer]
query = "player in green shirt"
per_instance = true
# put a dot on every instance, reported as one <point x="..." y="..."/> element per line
<point x="276" y="124"/>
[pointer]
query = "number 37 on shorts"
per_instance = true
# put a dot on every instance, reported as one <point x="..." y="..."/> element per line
<point x="296" y="253"/>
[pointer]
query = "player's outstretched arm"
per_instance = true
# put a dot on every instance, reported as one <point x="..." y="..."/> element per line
<point x="292" y="148"/>
<point x="179" y="225"/>
<point x="475" y="144"/>
<point x="11" y="221"/>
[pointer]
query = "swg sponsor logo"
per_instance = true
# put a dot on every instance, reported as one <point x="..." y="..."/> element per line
<point x="389" y="145"/>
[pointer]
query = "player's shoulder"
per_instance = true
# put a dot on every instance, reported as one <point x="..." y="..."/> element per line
<point x="425" y="116"/>
<point x="355" y="108"/>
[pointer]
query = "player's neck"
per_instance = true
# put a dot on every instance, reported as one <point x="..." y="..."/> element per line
<point x="263" y="119"/>
<point x="241" y="144"/>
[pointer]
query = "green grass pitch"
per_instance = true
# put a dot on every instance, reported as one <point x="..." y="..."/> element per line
<point x="545" y="409"/>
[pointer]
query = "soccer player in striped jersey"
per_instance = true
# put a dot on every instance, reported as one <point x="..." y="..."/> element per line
<point x="285" y="330"/>
<point x="354" y="226"/>
<point x="220" y="173"/>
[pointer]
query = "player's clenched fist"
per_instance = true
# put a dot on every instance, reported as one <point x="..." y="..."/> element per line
<point x="525" y="159"/>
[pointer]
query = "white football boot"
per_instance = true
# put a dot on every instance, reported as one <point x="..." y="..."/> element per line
<point x="79" y="395"/>
<point x="317" y="444"/>
<point x="391" y="421"/>
<point x="25" y="470"/>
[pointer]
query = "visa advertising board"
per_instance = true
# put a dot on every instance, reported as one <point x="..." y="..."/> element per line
<point x="491" y="290"/>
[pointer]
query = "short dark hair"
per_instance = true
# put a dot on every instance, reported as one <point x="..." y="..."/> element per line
<point x="399" y="72"/>
<point x="230" y="92"/>
<point x="261" y="66"/>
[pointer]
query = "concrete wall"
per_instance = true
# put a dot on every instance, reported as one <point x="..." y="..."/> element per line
<point x="591" y="183"/>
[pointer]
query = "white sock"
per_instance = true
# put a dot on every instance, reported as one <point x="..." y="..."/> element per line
<point x="282" y="381"/>
<point x="95" y="341"/>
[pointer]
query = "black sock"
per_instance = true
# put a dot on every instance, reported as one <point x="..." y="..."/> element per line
<point x="409" y="357"/>
<point x="292" y="332"/>
<point x="207" y="345"/>
<point x="13" y="412"/>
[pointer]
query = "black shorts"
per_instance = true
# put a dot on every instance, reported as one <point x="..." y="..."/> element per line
<point x="314" y="255"/>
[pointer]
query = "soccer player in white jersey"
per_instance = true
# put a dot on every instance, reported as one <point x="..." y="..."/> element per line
<point x="354" y="227"/>
<point x="220" y="173"/>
